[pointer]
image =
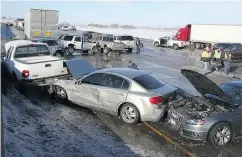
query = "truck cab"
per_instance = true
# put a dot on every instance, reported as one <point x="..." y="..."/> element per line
<point x="169" y="42"/>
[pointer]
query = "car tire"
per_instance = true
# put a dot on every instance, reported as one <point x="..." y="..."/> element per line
<point x="130" y="50"/>
<point x="156" y="44"/>
<point x="217" y="130"/>
<point x="175" y="47"/>
<point x="60" y="94"/>
<point x="18" y="85"/>
<point x="126" y="111"/>
<point x="71" y="49"/>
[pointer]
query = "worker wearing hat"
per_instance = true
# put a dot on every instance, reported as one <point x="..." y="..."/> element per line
<point x="206" y="58"/>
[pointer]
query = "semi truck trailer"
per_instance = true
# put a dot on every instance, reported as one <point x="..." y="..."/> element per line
<point x="41" y="23"/>
<point x="206" y="35"/>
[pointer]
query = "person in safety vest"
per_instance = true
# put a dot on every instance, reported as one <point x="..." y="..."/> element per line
<point x="132" y="65"/>
<point x="217" y="58"/>
<point x="227" y="62"/>
<point x="206" y="58"/>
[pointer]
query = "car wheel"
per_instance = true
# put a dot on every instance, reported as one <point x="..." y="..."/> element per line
<point x="130" y="50"/>
<point x="60" y="94"/>
<point x="129" y="114"/>
<point x="220" y="135"/>
<point x="19" y="86"/>
<point x="156" y="44"/>
<point x="71" y="49"/>
<point x="175" y="47"/>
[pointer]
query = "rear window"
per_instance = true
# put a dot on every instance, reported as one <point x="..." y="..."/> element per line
<point x="68" y="38"/>
<point x="31" y="51"/>
<point x="50" y="42"/>
<point x="127" y="38"/>
<point x="148" y="82"/>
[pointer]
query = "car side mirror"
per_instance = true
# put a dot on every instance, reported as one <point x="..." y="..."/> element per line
<point x="78" y="82"/>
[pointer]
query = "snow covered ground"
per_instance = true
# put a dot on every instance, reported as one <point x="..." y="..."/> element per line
<point x="40" y="128"/>
<point x="141" y="33"/>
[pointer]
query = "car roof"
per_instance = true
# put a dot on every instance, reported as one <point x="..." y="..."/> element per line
<point x="127" y="72"/>
<point x="23" y="42"/>
<point x="235" y="83"/>
<point x="44" y="39"/>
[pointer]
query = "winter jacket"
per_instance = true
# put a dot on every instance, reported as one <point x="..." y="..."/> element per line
<point x="206" y="56"/>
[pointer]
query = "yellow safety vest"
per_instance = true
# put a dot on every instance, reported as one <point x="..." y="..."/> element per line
<point x="206" y="54"/>
<point x="217" y="54"/>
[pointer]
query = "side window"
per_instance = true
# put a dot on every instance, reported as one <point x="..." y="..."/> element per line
<point x="9" y="52"/>
<point x="125" y="85"/>
<point x="95" y="79"/>
<point x="116" y="82"/>
<point x="78" y="39"/>
<point x="68" y="38"/>
<point x="118" y="38"/>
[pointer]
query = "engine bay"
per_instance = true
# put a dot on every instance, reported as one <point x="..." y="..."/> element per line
<point x="197" y="107"/>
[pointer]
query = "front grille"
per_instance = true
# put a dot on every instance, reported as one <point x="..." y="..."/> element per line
<point x="176" y="115"/>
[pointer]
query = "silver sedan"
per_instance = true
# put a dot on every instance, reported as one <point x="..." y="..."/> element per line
<point x="131" y="94"/>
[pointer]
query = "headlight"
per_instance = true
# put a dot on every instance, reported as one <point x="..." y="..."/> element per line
<point x="195" y="121"/>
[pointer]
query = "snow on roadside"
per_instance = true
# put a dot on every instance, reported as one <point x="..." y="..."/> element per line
<point x="40" y="129"/>
<point x="141" y="33"/>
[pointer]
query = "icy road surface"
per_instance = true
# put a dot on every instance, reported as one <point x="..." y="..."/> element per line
<point x="36" y="125"/>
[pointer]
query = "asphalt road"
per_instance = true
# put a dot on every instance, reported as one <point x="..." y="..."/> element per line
<point x="157" y="138"/>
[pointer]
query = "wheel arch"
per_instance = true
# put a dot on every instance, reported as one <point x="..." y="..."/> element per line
<point x="223" y="121"/>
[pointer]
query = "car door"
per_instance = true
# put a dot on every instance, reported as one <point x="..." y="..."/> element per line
<point x="78" y="42"/>
<point x="86" y="91"/>
<point x="113" y="93"/>
<point x="87" y="44"/>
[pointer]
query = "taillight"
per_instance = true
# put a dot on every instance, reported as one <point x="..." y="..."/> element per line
<point x="156" y="100"/>
<point x="25" y="73"/>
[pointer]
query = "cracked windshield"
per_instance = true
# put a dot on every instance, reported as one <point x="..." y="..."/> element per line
<point x="121" y="78"/>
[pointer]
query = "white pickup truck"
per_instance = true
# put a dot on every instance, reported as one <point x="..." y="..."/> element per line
<point x="29" y="62"/>
<point x="169" y="42"/>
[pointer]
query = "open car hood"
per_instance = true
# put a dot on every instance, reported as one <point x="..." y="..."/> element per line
<point x="204" y="85"/>
<point x="79" y="67"/>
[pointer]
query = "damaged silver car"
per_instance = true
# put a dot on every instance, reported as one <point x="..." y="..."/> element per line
<point x="215" y="116"/>
<point x="131" y="94"/>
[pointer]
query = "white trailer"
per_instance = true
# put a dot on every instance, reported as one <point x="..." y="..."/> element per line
<point x="41" y="23"/>
<point x="203" y="35"/>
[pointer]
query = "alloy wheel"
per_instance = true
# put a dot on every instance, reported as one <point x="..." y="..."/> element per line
<point x="128" y="114"/>
<point x="222" y="135"/>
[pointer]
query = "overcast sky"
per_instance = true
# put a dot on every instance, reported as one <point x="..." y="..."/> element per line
<point x="154" y="14"/>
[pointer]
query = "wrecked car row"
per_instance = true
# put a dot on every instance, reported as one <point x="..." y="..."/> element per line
<point x="133" y="95"/>
<point x="214" y="116"/>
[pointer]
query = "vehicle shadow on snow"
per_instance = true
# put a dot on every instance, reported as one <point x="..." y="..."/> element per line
<point x="42" y="96"/>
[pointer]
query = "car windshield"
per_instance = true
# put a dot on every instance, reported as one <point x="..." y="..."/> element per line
<point x="127" y="38"/>
<point x="148" y="82"/>
<point x="235" y="92"/>
<point x="31" y="51"/>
